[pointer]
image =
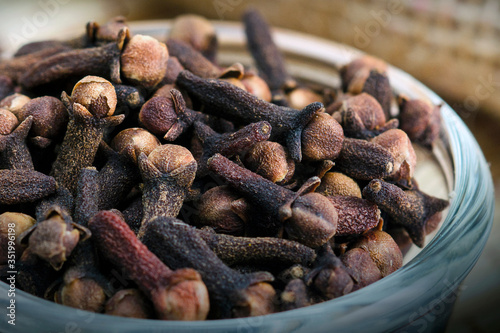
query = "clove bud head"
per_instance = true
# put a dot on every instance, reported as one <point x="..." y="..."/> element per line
<point x="133" y="141"/>
<point x="96" y="94"/>
<point x="185" y="297"/>
<point x="53" y="240"/>
<point x="144" y="61"/>
<point x="258" y="301"/>
<point x="313" y="221"/>
<point x="175" y="159"/>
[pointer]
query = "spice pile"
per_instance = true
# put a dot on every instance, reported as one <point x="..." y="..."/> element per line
<point x="167" y="186"/>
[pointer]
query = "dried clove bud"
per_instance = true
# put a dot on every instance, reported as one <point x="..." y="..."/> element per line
<point x="322" y="138"/>
<point x="167" y="116"/>
<point x="255" y="85"/>
<point x="178" y="245"/>
<point x="168" y="173"/>
<point x="270" y="160"/>
<point x="329" y="276"/>
<point x="214" y="210"/>
<point x="12" y="225"/>
<point x="224" y="99"/>
<point x="14" y="153"/>
<point x="228" y="144"/>
<point x="399" y="145"/>
<point x="49" y="118"/>
<point x="359" y="69"/>
<point x="8" y="121"/>
<point x="370" y="160"/>
<point x="191" y="59"/>
<point x="233" y="250"/>
<point x="133" y="141"/>
<point x="14" y="102"/>
<point x="21" y="186"/>
<point x="176" y="295"/>
<point x="90" y="107"/>
<point x="266" y="54"/>
<point x="382" y="249"/>
<point x="143" y="61"/>
<point x="310" y="219"/>
<point x="411" y="209"/>
<point x="361" y="267"/>
<point x="420" y="119"/>
<point x="198" y="32"/>
<point x="295" y="295"/>
<point x="54" y="238"/>
<point x="131" y="303"/>
<point x="336" y="183"/>
<point x="300" y="97"/>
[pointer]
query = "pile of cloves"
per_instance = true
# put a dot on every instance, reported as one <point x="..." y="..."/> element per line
<point x="146" y="180"/>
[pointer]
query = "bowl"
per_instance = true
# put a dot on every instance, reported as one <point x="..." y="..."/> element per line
<point x="418" y="297"/>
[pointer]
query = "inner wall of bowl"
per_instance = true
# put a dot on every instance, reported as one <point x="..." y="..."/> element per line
<point x="309" y="60"/>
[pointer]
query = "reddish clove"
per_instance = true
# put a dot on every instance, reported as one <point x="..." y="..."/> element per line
<point x="176" y="295"/>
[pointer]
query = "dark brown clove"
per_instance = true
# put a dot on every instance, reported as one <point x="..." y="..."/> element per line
<point x="236" y="250"/>
<point x="420" y="119"/>
<point x="54" y="238"/>
<point x="192" y="59"/>
<point x="167" y="116"/>
<point x="15" y="68"/>
<point x="14" y="153"/>
<point x="377" y="85"/>
<point x="224" y="99"/>
<point x="14" y="102"/>
<point x="399" y="145"/>
<point x="329" y="276"/>
<point x="83" y="286"/>
<point x="168" y="173"/>
<point x="295" y="295"/>
<point x="267" y="56"/>
<point x="91" y="106"/>
<point x="382" y="249"/>
<point x="359" y="69"/>
<point x="322" y="138"/>
<point x="49" y="119"/>
<point x="309" y="219"/>
<point x="215" y="211"/>
<point x="176" y="295"/>
<point x="360" y="267"/>
<point x="233" y="294"/>
<point x="411" y="209"/>
<point x="364" y="160"/>
<point x="198" y="32"/>
<point x="21" y="186"/>
<point x="270" y="160"/>
<point x="228" y="144"/>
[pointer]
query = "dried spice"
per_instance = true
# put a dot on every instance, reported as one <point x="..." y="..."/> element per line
<point x="232" y="249"/>
<point x="297" y="212"/>
<point x="91" y="107"/>
<point x="21" y="186"/>
<point x="235" y="295"/>
<point x="224" y="99"/>
<point x="228" y="144"/>
<point x="410" y="209"/>
<point x="310" y="219"/>
<point x="14" y="153"/>
<point x="178" y="294"/>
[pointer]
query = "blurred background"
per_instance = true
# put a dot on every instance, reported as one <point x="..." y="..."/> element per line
<point x="452" y="46"/>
